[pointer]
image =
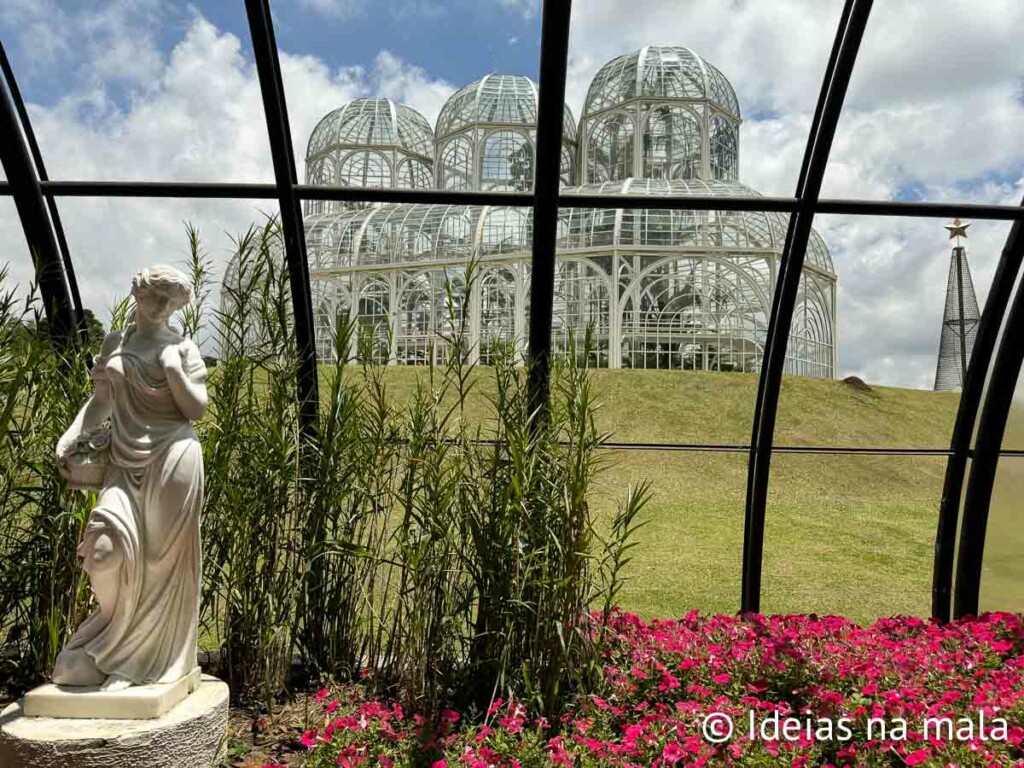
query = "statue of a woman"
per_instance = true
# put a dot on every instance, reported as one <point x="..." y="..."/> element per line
<point x="140" y="547"/>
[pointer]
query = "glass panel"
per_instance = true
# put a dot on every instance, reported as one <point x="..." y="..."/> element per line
<point x="1013" y="439"/>
<point x="934" y="109"/>
<point x="140" y="91"/>
<point x="14" y="253"/>
<point x="672" y="144"/>
<point x="851" y="535"/>
<point x="898" y="339"/>
<point x="111" y="239"/>
<point x="507" y="162"/>
<point x="688" y="555"/>
<point x="1002" y="576"/>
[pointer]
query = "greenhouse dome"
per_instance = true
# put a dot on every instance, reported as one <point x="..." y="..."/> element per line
<point x="654" y="288"/>
<point x="370" y="143"/>
<point x="660" y="112"/>
<point x="486" y="136"/>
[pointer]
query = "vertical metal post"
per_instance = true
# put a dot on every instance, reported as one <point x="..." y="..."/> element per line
<point x="28" y="198"/>
<point x="269" y="70"/>
<point x="967" y="413"/>
<point x="554" y="53"/>
<point x="848" y="38"/>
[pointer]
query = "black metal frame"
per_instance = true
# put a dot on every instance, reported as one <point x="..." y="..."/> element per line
<point x="29" y="185"/>
<point x="819" y="144"/>
<point x="274" y="106"/>
<point x="554" y="52"/>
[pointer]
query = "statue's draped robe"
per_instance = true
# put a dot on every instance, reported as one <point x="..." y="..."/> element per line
<point x="149" y="506"/>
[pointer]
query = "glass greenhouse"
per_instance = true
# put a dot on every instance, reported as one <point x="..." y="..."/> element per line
<point x="674" y="289"/>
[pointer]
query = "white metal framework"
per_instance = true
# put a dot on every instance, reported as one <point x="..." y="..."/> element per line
<point x="653" y="288"/>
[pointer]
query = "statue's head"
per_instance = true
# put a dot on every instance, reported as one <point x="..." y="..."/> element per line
<point x="160" y="291"/>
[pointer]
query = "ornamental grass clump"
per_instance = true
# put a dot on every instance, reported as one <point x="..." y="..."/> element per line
<point x="42" y="590"/>
<point x="446" y="556"/>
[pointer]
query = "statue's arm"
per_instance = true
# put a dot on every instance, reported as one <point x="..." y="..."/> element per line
<point x="98" y="407"/>
<point x="186" y="377"/>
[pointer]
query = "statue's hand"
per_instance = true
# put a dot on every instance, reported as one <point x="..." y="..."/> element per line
<point x="171" y="357"/>
<point x="65" y="447"/>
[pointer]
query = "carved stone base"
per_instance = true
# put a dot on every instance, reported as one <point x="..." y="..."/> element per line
<point x="138" y="702"/>
<point x="192" y="734"/>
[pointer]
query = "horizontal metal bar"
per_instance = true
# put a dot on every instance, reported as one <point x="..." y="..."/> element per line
<point x="791" y="449"/>
<point x="923" y="209"/>
<point x="197" y="189"/>
<point x="15" y="434"/>
<point x="257" y="191"/>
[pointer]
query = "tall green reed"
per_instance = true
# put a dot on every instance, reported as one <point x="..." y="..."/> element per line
<point x="43" y="594"/>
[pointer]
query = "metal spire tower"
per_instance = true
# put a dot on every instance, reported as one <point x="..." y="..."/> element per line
<point x="960" y="318"/>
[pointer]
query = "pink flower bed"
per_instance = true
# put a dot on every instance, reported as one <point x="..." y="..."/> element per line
<point x="798" y="690"/>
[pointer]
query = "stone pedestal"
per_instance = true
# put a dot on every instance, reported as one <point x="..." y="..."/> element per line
<point x="192" y="734"/>
<point x="139" y="702"/>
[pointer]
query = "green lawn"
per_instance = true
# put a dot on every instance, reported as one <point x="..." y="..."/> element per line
<point x="845" y="534"/>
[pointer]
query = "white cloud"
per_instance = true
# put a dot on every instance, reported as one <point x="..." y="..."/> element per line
<point x="335" y="8"/>
<point x="527" y="8"/>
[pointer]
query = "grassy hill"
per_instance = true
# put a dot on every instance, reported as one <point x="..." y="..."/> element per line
<point x="845" y="534"/>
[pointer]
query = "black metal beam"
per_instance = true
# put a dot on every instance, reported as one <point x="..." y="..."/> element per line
<point x="257" y="191"/>
<point x="967" y="413"/>
<point x="268" y="69"/>
<point x="809" y="450"/>
<point x="991" y="428"/>
<point x="51" y="204"/>
<point x="554" y="53"/>
<point x="28" y="199"/>
<point x="830" y="105"/>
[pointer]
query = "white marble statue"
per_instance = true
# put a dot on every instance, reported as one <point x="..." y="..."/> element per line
<point x="141" y="545"/>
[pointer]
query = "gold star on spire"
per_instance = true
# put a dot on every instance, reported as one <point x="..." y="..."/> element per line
<point x="957" y="229"/>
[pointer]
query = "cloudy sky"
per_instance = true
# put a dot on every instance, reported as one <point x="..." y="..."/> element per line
<point x="165" y="90"/>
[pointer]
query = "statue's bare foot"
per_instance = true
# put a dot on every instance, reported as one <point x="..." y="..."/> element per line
<point x="116" y="683"/>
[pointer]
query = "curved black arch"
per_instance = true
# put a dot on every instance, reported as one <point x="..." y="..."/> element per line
<point x="36" y="224"/>
<point x="991" y="428"/>
<point x="966" y="417"/>
<point x="826" y="117"/>
<point x="51" y="203"/>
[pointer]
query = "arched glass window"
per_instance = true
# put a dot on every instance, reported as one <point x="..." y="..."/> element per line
<point x="498" y="296"/>
<point x="724" y="150"/>
<point x="671" y="144"/>
<point x="413" y="174"/>
<point x="567" y="171"/>
<point x="320" y="172"/>
<point x="507" y="162"/>
<point x="365" y="169"/>
<point x="610" y="148"/>
<point x="455" y="169"/>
